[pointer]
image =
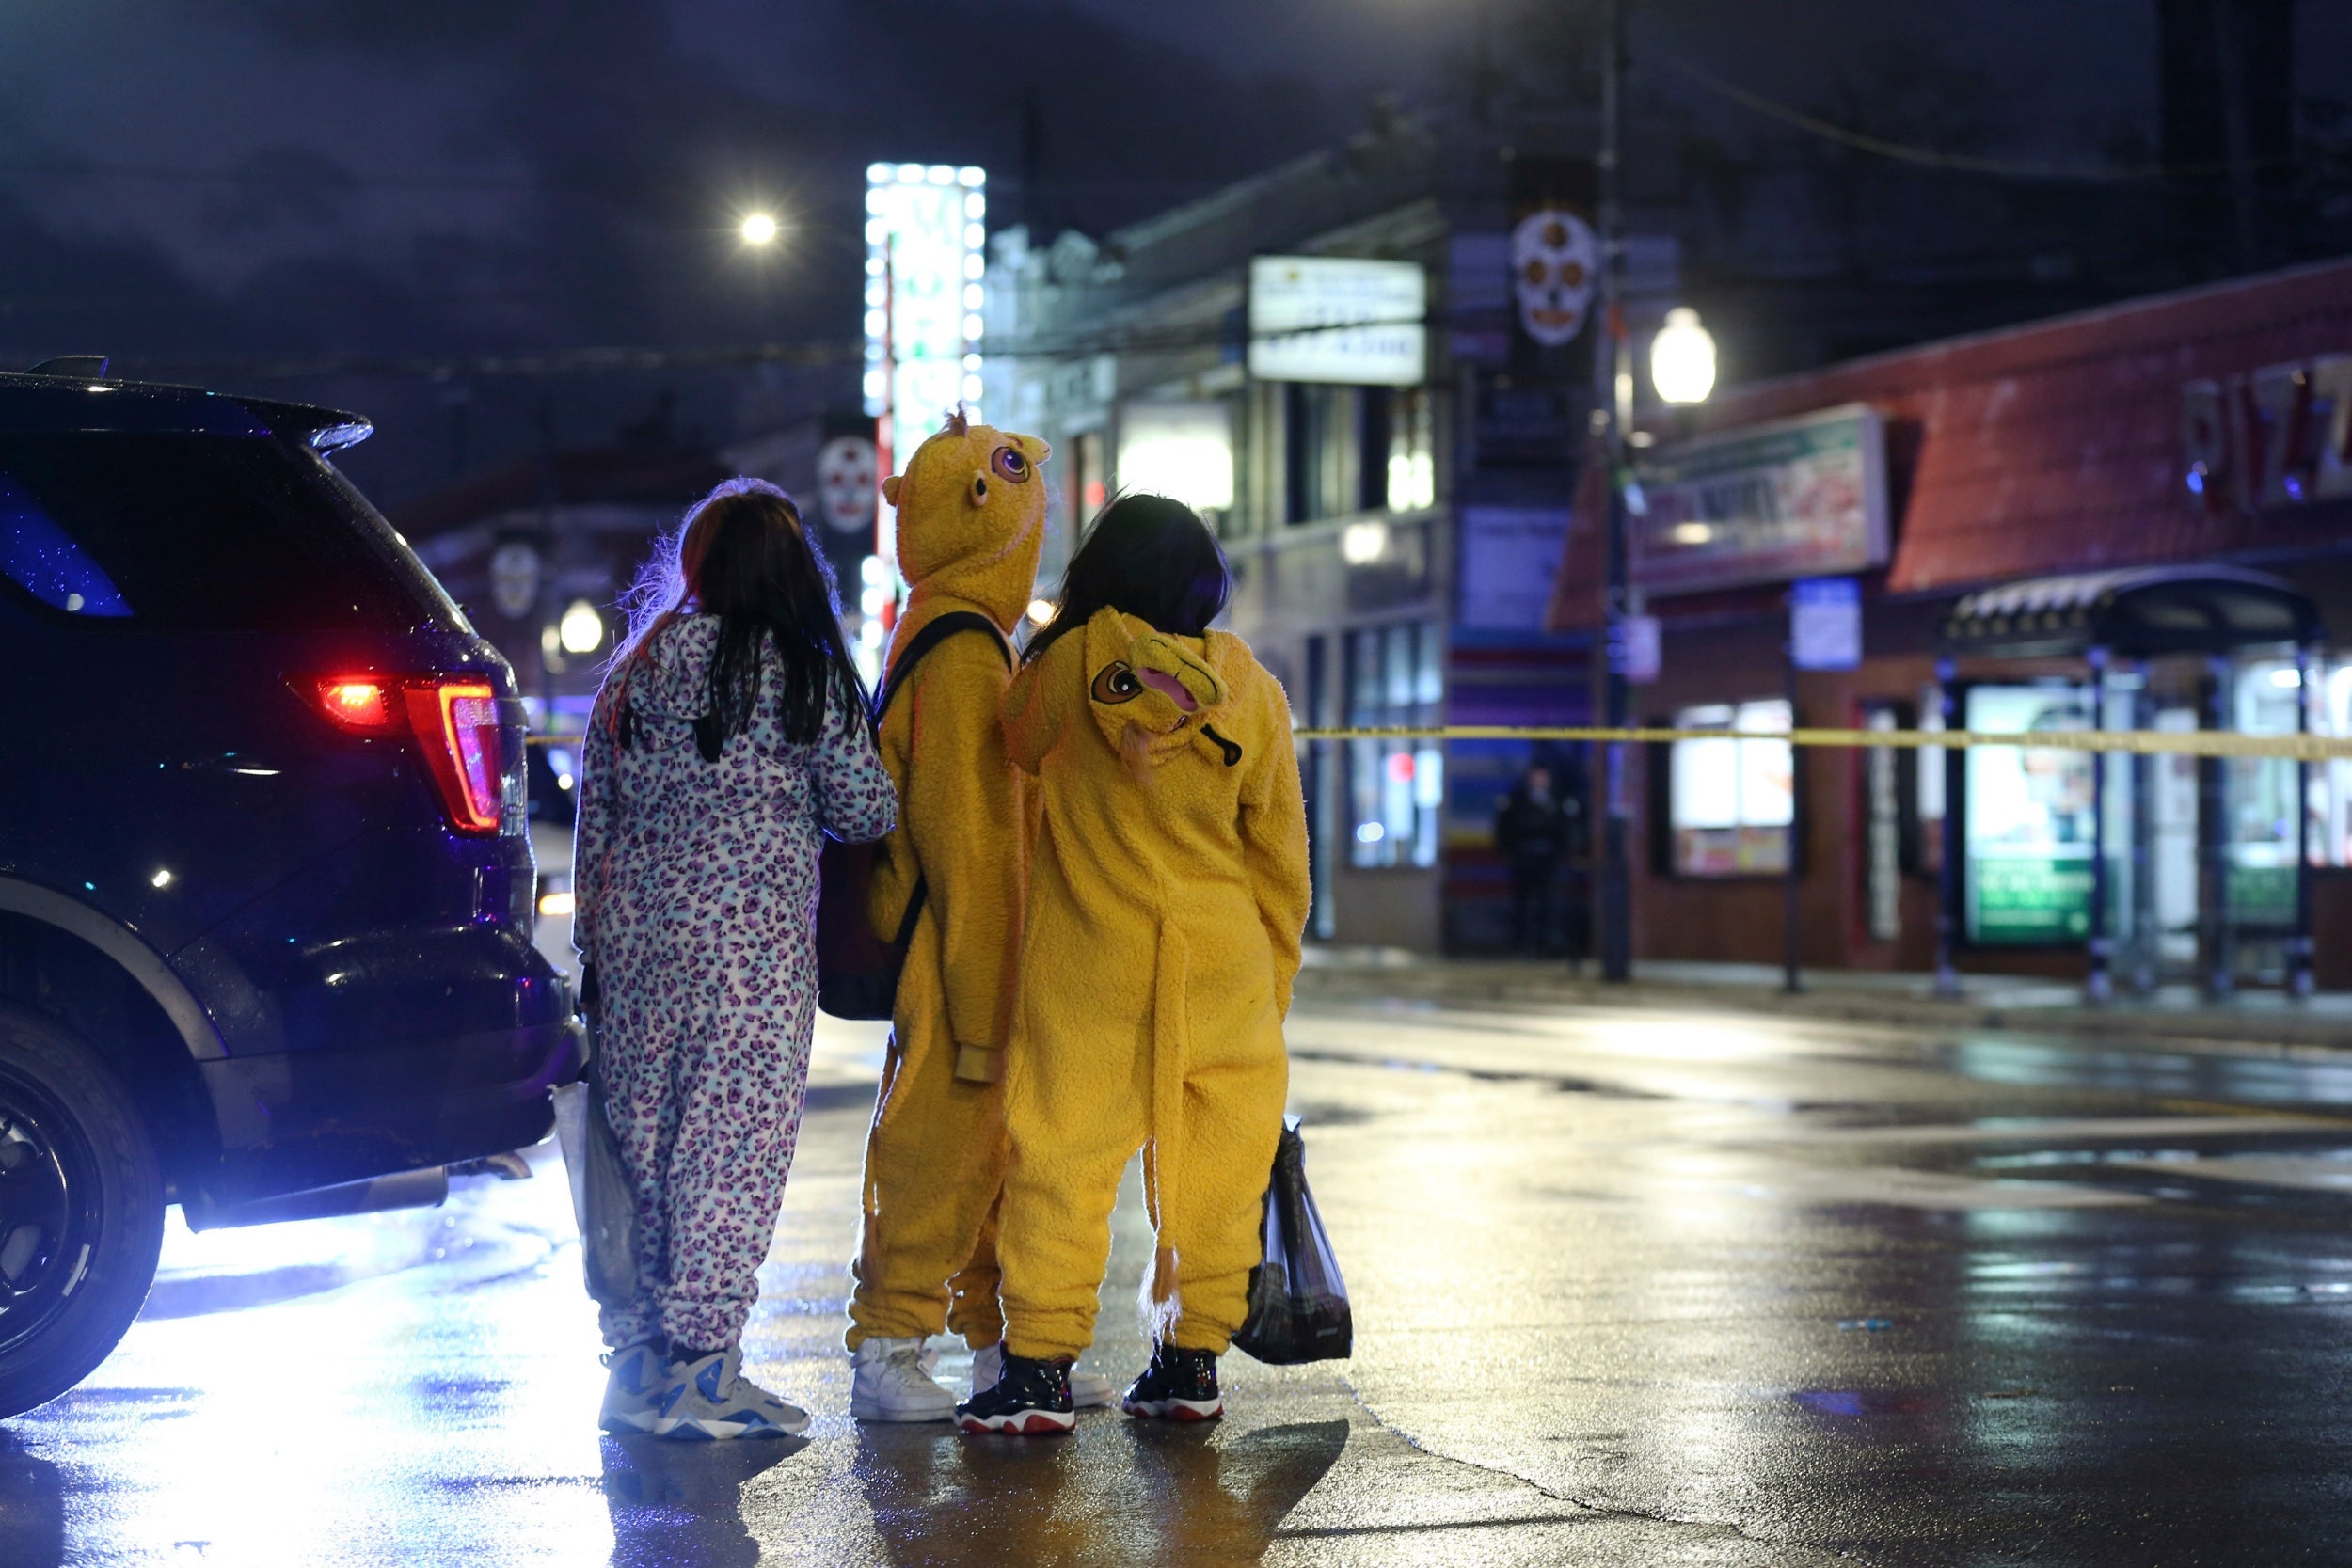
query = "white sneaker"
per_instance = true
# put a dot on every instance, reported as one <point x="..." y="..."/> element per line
<point x="1087" y="1390"/>
<point x="892" y="1382"/>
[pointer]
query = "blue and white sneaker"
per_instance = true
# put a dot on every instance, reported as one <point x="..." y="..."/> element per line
<point x="632" y="1386"/>
<point x="710" y="1400"/>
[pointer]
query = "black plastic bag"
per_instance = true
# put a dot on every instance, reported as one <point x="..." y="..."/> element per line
<point x="603" y="1201"/>
<point x="1297" y="1302"/>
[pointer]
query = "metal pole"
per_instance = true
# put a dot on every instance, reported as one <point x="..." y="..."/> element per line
<point x="2147" y="940"/>
<point x="1792" y="877"/>
<point x="2299" y="979"/>
<point x="1612" y="366"/>
<point x="1947" y="861"/>
<point x="2099" y="986"/>
<point x="2216" y="963"/>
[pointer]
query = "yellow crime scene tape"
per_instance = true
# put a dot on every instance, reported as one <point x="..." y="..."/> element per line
<point x="2192" y="743"/>
<point x="2197" y="743"/>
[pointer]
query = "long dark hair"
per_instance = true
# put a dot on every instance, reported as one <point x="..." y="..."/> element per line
<point x="742" y="555"/>
<point x="1146" y="555"/>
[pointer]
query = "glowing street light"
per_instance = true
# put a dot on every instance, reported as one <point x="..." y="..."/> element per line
<point x="581" y="631"/>
<point x="759" y="228"/>
<point x="1683" y="357"/>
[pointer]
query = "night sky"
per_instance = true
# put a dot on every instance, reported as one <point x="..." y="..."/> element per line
<point x="193" y="185"/>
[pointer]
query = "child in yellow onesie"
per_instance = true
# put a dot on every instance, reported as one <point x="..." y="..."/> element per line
<point x="1167" y="899"/>
<point x="971" y="507"/>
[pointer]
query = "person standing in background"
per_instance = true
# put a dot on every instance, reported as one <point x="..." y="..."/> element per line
<point x="1531" y="830"/>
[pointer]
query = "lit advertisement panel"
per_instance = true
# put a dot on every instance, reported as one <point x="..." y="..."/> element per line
<point x="2028" y="820"/>
<point x="925" y="234"/>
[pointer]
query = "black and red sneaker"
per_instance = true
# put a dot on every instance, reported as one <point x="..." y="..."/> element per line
<point x="1029" y="1399"/>
<point x="1178" y="1386"/>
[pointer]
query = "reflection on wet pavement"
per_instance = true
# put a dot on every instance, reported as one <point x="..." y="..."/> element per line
<point x="682" y="1502"/>
<point x="1630" y="1289"/>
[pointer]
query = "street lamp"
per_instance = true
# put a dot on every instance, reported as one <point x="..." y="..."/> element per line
<point x="581" y="631"/>
<point x="759" y="228"/>
<point x="1612" y="398"/>
<point x="1683" y="357"/>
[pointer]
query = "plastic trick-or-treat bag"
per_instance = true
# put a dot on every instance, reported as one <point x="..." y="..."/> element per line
<point x="603" y="1201"/>
<point x="1297" y="1302"/>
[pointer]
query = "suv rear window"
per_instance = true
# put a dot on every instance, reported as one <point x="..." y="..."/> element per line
<point x="203" y="532"/>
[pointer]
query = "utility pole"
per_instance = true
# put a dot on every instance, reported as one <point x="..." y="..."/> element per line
<point x="1613" y="376"/>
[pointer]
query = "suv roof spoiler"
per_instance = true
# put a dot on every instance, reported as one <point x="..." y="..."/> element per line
<point x="80" y="367"/>
<point x="71" y="379"/>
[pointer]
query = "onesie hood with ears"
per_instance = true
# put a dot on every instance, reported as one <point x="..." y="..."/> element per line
<point x="971" y="517"/>
<point x="1152" y="694"/>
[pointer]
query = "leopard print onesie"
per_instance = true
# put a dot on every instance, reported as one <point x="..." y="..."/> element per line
<point x="696" y="902"/>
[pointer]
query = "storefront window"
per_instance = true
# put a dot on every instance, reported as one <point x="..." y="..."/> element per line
<point x="2262" y="790"/>
<point x="1732" y="801"/>
<point x="1396" y="788"/>
<point x="2331" y="784"/>
<point x="2027" y="871"/>
<point x="1412" y="450"/>
<point x="1930" y="784"/>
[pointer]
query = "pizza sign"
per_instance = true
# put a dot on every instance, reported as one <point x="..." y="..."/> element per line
<point x="2274" y="437"/>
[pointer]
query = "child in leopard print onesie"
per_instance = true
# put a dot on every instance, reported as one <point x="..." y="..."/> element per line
<point x="730" y="735"/>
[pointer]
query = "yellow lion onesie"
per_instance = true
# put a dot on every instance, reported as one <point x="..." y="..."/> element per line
<point x="970" y="524"/>
<point x="1167" y="901"/>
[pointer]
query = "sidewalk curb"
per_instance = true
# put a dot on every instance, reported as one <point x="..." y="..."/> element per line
<point x="2210" y="1031"/>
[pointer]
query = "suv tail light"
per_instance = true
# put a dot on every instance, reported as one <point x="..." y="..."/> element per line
<point x="455" y="722"/>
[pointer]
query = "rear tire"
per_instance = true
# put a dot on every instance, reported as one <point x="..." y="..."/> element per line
<point x="81" y="1209"/>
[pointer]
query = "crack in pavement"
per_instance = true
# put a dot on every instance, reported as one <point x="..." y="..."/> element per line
<point x="1586" y="1508"/>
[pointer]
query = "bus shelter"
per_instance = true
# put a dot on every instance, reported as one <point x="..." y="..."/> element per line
<point x="2152" y="865"/>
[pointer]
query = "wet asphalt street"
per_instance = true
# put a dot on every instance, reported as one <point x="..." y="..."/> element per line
<point x="1638" y="1287"/>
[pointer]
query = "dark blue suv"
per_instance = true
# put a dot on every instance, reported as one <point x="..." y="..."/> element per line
<point x="266" y="888"/>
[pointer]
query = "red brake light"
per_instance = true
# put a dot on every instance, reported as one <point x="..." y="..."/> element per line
<point x="458" y="723"/>
<point x="357" y="703"/>
<point x="456" y="726"/>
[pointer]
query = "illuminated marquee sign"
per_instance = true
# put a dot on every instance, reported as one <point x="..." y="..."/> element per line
<point x="924" y="260"/>
<point x="1337" y="318"/>
<point x="2279" y="437"/>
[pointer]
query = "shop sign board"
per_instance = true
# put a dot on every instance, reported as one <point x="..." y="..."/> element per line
<point x="1826" y="623"/>
<point x="1343" y="319"/>
<point x="2279" y="437"/>
<point x="1639" y="652"/>
<point x="1509" y="556"/>
<point x="2028" y="831"/>
<point x="1794" y="498"/>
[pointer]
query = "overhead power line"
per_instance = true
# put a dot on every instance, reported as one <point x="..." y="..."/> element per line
<point x="602" y="361"/>
<point x="1928" y="157"/>
<point x="457" y="366"/>
<point x="323" y="177"/>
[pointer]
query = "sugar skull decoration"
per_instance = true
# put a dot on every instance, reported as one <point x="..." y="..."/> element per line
<point x="1554" y="263"/>
<point x="514" y="579"/>
<point x="846" y="483"/>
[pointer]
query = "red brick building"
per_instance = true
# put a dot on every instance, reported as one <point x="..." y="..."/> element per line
<point x="2202" y="430"/>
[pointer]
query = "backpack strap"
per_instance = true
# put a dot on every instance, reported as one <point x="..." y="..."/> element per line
<point x="901" y="669"/>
